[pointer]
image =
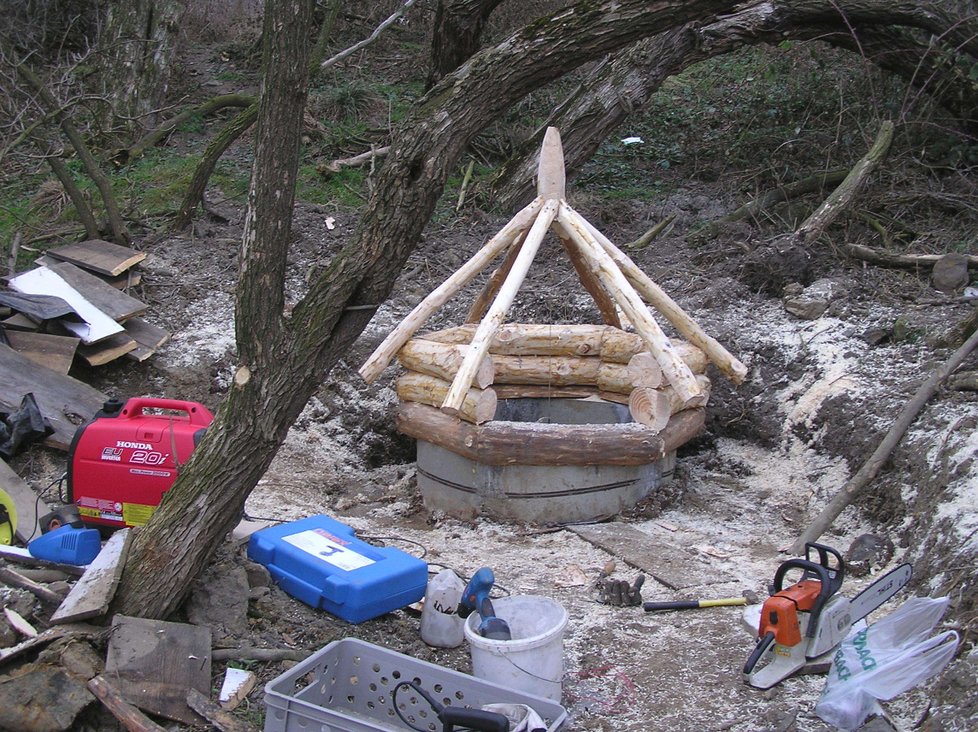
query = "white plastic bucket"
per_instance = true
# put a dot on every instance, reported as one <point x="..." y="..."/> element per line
<point x="533" y="660"/>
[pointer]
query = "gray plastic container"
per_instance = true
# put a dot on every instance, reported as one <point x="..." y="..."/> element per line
<point x="347" y="687"/>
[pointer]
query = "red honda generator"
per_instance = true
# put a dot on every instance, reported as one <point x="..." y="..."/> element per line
<point x="122" y="462"/>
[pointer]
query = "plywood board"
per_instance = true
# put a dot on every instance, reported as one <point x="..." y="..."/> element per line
<point x="148" y="338"/>
<point x="19" y="321"/>
<point x="93" y="593"/>
<point x="27" y="503"/>
<point x="669" y="564"/>
<point x="129" y="278"/>
<point x="65" y="402"/>
<point x="99" y="256"/>
<point x="154" y="664"/>
<point x="52" y="351"/>
<point x="116" y="304"/>
<point x="107" y="349"/>
<point x="96" y="325"/>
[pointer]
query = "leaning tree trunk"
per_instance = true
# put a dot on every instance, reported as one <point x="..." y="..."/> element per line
<point x="207" y="500"/>
<point x="136" y="49"/>
<point x="903" y="38"/>
<point x="456" y="35"/>
<point x="194" y="196"/>
<point x="283" y="359"/>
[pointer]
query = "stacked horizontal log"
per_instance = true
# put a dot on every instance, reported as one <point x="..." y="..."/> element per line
<point x="549" y="361"/>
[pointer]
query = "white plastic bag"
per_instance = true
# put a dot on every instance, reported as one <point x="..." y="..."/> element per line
<point x="884" y="660"/>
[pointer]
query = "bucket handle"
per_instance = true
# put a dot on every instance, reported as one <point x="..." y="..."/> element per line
<point x="197" y="414"/>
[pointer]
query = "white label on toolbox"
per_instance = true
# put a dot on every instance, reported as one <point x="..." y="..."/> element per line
<point x="323" y="545"/>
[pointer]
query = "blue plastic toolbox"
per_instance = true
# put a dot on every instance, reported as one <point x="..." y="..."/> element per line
<point x="319" y="561"/>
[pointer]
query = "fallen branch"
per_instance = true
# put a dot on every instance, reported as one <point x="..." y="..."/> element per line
<point x="645" y="239"/>
<point x="857" y="484"/>
<point x="353" y="162"/>
<point x="259" y="654"/>
<point x="837" y="202"/>
<point x="221" y="719"/>
<point x="15" y="579"/>
<point x="130" y="717"/>
<point x="907" y="261"/>
<point x="811" y="184"/>
<point x="369" y="39"/>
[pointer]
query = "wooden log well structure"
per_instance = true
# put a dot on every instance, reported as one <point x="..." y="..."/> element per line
<point x="460" y="384"/>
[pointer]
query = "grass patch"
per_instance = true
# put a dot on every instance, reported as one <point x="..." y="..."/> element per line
<point x="346" y="190"/>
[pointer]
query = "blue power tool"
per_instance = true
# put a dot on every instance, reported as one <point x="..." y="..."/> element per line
<point x="475" y="598"/>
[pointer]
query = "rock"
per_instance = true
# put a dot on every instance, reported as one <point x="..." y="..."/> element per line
<point x="875" y="336"/>
<point x="950" y="273"/>
<point x="219" y="600"/>
<point x="81" y="660"/>
<point x="43" y="699"/>
<point x="258" y="575"/>
<point x="866" y="553"/>
<point x="814" y="300"/>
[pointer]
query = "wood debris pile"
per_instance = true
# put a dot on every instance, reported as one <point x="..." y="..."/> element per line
<point x="73" y="307"/>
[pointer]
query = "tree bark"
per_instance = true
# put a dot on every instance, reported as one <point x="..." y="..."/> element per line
<point x="456" y="35"/>
<point x="137" y="49"/>
<point x="283" y="360"/>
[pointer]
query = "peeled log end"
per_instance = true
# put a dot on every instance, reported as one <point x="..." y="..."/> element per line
<point x="650" y="408"/>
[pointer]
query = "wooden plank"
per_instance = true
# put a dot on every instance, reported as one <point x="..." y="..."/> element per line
<point x="65" y="402"/>
<point x="19" y="321"/>
<point x="155" y="664"/>
<point x="28" y="505"/>
<point x="95" y="324"/>
<point x="116" y="304"/>
<point x="669" y="564"/>
<point x="149" y="338"/>
<point x="99" y="256"/>
<point x="92" y="594"/>
<point x="21" y="555"/>
<point x="107" y="349"/>
<point x="129" y="278"/>
<point x="55" y="352"/>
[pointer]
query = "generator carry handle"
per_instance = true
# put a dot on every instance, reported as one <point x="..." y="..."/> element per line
<point x="197" y="414"/>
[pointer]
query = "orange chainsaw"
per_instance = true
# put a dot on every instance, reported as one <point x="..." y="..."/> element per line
<point x="809" y="619"/>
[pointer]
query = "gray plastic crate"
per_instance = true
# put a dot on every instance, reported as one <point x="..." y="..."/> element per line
<point x="347" y="686"/>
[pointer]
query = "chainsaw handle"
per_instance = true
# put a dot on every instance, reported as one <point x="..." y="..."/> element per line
<point x="197" y="414"/>
<point x="812" y="570"/>
<point x="837" y="571"/>
<point x="762" y="645"/>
